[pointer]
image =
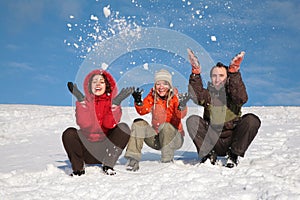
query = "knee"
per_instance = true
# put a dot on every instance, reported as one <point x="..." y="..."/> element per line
<point x="166" y="126"/>
<point x="191" y="119"/>
<point x="252" y="120"/>
<point x="139" y="122"/>
<point x="124" y="127"/>
<point x="69" y="133"/>
<point x="195" y="121"/>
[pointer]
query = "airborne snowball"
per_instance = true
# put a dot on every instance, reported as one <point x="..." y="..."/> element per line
<point x="213" y="38"/>
<point x="104" y="66"/>
<point x="93" y="17"/>
<point x="146" y="66"/>
<point x="106" y="11"/>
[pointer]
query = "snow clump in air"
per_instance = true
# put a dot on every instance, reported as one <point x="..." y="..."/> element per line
<point x="106" y="11"/>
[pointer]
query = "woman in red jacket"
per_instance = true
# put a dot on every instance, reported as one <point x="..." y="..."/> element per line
<point x="101" y="138"/>
<point x="165" y="132"/>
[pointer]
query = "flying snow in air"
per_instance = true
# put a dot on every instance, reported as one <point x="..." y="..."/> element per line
<point x="213" y="38"/>
<point x="146" y="66"/>
<point x="106" y="11"/>
<point x="93" y="17"/>
<point x="104" y="66"/>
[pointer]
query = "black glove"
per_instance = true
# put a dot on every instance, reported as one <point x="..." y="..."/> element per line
<point x="75" y="91"/>
<point x="183" y="99"/>
<point x="125" y="92"/>
<point x="137" y="95"/>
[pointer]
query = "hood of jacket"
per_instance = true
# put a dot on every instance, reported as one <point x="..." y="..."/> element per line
<point x="111" y="80"/>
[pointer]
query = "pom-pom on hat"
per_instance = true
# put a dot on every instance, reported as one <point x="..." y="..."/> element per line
<point x="163" y="75"/>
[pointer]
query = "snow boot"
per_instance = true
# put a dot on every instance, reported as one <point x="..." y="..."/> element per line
<point x="108" y="170"/>
<point x="78" y="172"/>
<point x="232" y="160"/>
<point x="212" y="156"/>
<point x="132" y="165"/>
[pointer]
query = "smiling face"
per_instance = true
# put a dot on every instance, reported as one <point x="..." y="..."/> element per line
<point x="98" y="85"/>
<point x="218" y="77"/>
<point x="162" y="88"/>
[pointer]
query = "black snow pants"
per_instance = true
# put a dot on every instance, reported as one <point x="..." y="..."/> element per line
<point x="237" y="139"/>
<point x="106" y="152"/>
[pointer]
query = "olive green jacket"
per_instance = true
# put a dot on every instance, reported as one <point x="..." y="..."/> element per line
<point x="221" y="107"/>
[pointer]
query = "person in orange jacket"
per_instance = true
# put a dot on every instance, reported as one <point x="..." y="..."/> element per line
<point x="165" y="132"/>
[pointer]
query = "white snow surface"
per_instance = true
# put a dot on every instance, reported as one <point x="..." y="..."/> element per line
<point x="34" y="164"/>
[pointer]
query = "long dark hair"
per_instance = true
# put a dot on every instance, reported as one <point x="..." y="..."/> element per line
<point x="107" y="88"/>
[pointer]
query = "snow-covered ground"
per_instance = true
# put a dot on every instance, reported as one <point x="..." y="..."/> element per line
<point x="34" y="164"/>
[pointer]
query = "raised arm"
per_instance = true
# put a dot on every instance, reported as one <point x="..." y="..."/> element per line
<point x="236" y="87"/>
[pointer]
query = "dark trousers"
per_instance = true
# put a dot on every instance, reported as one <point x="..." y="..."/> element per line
<point x="237" y="139"/>
<point x="106" y="152"/>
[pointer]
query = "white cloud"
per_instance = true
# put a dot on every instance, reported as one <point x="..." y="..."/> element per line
<point x="289" y="97"/>
<point x="46" y="78"/>
<point x="20" y="65"/>
<point x="12" y="47"/>
<point x="69" y="7"/>
<point x="286" y="13"/>
<point x="22" y="13"/>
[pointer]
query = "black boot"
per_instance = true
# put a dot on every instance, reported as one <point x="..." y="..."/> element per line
<point x="78" y="172"/>
<point x="232" y="160"/>
<point x="212" y="156"/>
<point x="108" y="170"/>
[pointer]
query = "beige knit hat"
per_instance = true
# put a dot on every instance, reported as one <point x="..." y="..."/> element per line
<point x="163" y="75"/>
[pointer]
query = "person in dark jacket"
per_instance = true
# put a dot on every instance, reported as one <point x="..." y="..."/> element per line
<point x="101" y="137"/>
<point x="223" y="130"/>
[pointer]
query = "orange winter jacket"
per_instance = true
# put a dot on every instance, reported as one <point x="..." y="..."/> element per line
<point x="162" y="113"/>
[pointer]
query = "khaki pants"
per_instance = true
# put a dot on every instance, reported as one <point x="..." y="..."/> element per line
<point x="167" y="140"/>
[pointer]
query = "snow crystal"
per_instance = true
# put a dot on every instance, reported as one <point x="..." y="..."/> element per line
<point x="146" y="66"/>
<point x="76" y="45"/>
<point x="213" y="38"/>
<point x="93" y="17"/>
<point x="106" y="11"/>
<point x="104" y="66"/>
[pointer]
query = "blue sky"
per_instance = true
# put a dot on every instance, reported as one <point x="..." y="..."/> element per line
<point x="46" y="43"/>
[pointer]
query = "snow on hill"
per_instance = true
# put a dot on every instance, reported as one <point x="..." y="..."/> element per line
<point x="34" y="164"/>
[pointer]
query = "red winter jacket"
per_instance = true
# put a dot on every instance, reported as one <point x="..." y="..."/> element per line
<point x="96" y="116"/>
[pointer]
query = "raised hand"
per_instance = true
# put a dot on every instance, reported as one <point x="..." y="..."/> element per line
<point x="183" y="99"/>
<point x="196" y="68"/>
<point x="235" y="62"/>
<point x="75" y="91"/>
<point x="137" y="95"/>
<point x="125" y="92"/>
